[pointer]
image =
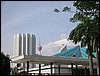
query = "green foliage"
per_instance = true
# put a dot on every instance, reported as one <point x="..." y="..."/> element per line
<point x="14" y="71"/>
<point x="66" y="9"/>
<point x="90" y="8"/>
<point x="5" y="64"/>
<point x="87" y="31"/>
<point x="56" y="10"/>
<point x="88" y="14"/>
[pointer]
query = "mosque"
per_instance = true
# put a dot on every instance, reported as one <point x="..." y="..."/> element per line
<point x="73" y="61"/>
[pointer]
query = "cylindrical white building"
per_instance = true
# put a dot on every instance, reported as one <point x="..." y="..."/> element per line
<point x="24" y="44"/>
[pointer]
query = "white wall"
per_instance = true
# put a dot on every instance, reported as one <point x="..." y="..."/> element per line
<point x="24" y="44"/>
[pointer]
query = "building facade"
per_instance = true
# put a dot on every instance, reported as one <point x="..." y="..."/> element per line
<point x="24" y="44"/>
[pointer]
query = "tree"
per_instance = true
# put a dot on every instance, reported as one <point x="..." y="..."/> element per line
<point x="86" y="10"/>
<point x="14" y="71"/>
<point x="87" y="31"/>
<point x="5" y="64"/>
<point x="83" y="33"/>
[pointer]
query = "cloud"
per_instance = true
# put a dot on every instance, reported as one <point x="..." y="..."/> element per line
<point x="54" y="47"/>
<point x="63" y="36"/>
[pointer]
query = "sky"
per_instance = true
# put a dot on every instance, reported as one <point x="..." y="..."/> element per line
<point x="38" y="18"/>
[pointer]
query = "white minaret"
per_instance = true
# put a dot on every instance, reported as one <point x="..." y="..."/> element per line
<point x="24" y="44"/>
<point x="63" y="48"/>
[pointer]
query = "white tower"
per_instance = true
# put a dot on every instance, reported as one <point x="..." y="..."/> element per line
<point x="17" y="45"/>
<point x="39" y="47"/>
<point x="24" y="44"/>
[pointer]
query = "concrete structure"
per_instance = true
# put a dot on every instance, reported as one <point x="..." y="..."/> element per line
<point x="72" y="61"/>
<point x="50" y="60"/>
<point x="24" y="44"/>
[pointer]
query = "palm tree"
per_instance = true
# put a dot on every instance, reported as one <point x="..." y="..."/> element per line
<point x="96" y="41"/>
<point x="84" y="33"/>
<point x="87" y="12"/>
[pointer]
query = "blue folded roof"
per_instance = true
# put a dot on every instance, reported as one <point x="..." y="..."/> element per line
<point x="75" y="52"/>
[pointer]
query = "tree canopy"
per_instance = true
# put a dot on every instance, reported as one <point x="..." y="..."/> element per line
<point x="5" y="64"/>
<point x="87" y="31"/>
